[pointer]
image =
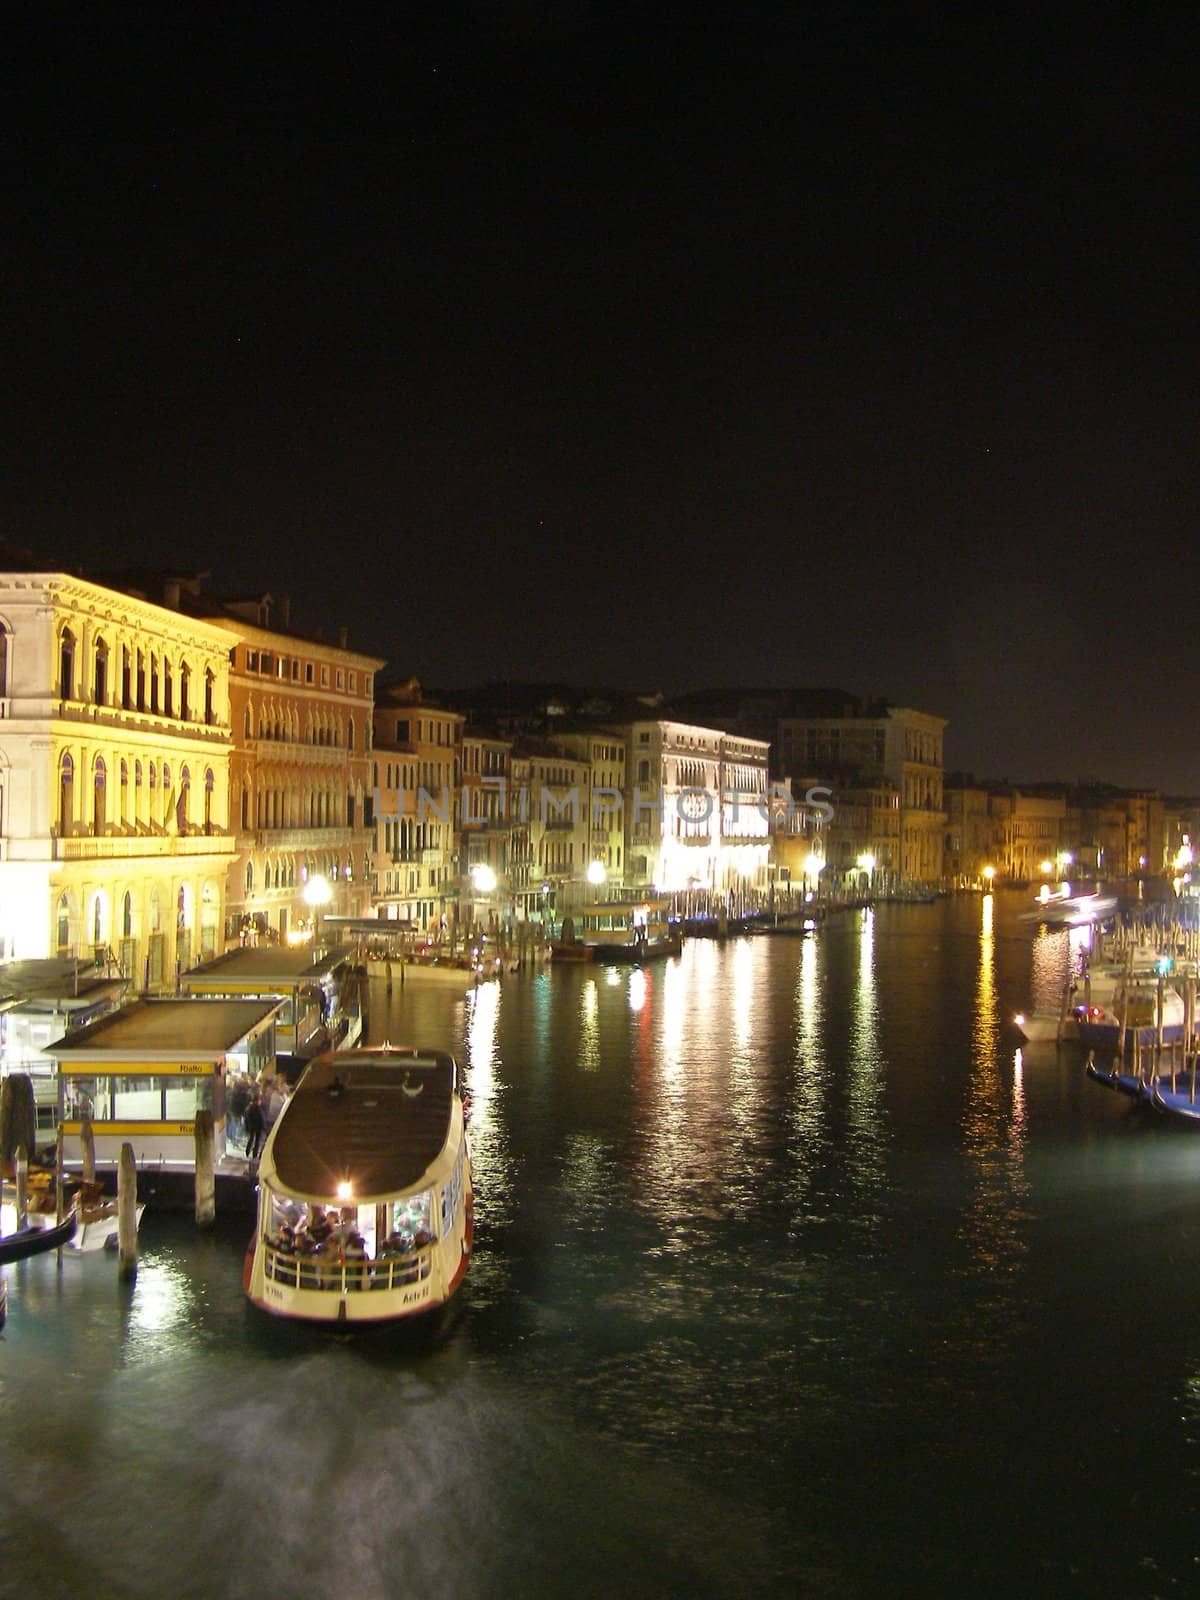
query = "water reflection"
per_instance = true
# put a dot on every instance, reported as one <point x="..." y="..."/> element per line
<point x="994" y="1222"/>
<point x="589" y="1026"/>
<point x="865" y="1082"/>
<point x="809" y="1131"/>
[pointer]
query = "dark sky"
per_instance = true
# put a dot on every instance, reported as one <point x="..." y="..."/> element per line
<point x="601" y="343"/>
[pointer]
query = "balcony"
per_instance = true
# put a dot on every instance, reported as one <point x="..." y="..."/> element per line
<point x="128" y="846"/>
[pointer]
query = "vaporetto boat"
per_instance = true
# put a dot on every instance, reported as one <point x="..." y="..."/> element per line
<point x="366" y="1206"/>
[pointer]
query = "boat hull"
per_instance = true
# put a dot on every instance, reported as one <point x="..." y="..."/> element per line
<point x="1104" y="1037"/>
<point x="28" y="1242"/>
<point x="633" y="955"/>
<point x="1178" y="1103"/>
<point x="1047" y="1028"/>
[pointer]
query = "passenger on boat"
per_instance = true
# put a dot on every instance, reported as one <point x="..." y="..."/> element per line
<point x="329" y="1265"/>
<point x="358" y="1262"/>
<point x="319" y="1225"/>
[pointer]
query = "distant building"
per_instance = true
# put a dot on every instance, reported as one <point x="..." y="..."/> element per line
<point x="696" y="809"/>
<point x="423" y="739"/>
<point x="871" y="739"/>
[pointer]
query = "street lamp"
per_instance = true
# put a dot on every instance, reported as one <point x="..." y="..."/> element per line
<point x="483" y="879"/>
<point x="597" y="872"/>
<point x="813" y="866"/>
<point x="989" y="874"/>
<point x="317" y="893"/>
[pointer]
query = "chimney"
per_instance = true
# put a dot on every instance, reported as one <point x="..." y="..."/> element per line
<point x="171" y="594"/>
<point x="285" y="609"/>
<point x="343" y="635"/>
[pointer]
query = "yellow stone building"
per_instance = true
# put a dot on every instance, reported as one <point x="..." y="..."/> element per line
<point x="114" y="777"/>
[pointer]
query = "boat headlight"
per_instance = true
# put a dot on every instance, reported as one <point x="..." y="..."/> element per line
<point x="1019" y="1019"/>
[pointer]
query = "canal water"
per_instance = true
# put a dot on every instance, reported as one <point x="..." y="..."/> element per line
<point x="793" y="1275"/>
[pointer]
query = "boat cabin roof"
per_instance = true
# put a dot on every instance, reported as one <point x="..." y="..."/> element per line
<point x="269" y="966"/>
<point x="376" y="1118"/>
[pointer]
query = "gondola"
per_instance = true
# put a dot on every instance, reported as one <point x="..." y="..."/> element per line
<point x="36" y="1241"/>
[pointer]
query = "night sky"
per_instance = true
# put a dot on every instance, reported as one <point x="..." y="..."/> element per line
<point x="604" y="344"/>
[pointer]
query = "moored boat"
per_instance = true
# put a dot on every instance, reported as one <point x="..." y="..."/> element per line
<point x="366" y="1208"/>
<point x="1144" y="1012"/>
<point x="619" y="933"/>
<point x="33" y="1240"/>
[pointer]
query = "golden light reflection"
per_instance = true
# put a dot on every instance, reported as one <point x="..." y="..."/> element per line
<point x="1051" y="964"/>
<point x="743" y="993"/>
<point x="867" y="1115"/>
<point x="808" y="1126"/>
<point x="675" y="986"/>
<point x="589" y="1026"/>
<point x="994" y="1222"/>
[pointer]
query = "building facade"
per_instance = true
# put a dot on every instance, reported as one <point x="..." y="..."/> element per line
<point x="115" y="758"/>
<point x="300" y="781"/>
<point x="423" y="739"/>
<point x="696" y="810"/>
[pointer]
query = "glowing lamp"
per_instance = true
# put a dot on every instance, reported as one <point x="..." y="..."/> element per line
<point x="596" y="872"/>
<point x="483" y="878"/>
<point x="345" y="1191"/>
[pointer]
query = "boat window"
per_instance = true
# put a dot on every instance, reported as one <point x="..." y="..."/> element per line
<point x="82" y="1094"/>
<point x="413" y="1215"/>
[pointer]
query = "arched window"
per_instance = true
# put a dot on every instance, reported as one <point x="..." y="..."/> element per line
<point x="183" y="810"/>
<point x="208" y="798"/>
<point x="123" y="795"/>
<point x="66" y="794"/>
<point x="209" y="707"/>
<point x="168" y="690"/>
<point x="249" y="877"/>
<point x="3" y="660"/>
<point x="99" y="797"/>
<point x="248" y="725"/>
<point x="100" y="674"/>
<point x="246" y="807"/>
<point x="127" y="916"/>
<point x="140" y="685"/>
<point x="96" y="920"/>
<point x="185" y="683"/>
<point x="126" y="678"/>
<point x="66" y="665"/>
<point x="63" y="921"/>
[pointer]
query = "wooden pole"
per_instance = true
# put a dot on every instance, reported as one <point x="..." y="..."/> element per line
<point x="21" y="1173"/>
<point x="206" y="1182"/>
<point x="87" y="1144"/>
<point x="58" y="1175"/>
<point x="127" y="1234"/>
<point x="1064" y="1005"/>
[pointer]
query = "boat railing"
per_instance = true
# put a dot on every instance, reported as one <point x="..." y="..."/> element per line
<point x="323" y="1271"/>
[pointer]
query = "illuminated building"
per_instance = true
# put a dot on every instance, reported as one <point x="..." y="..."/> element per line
<point x="422" y="741"/>
<point x="114" y="777"/>
<point x="696" y="813"/>
<point x="300" y="779"/>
